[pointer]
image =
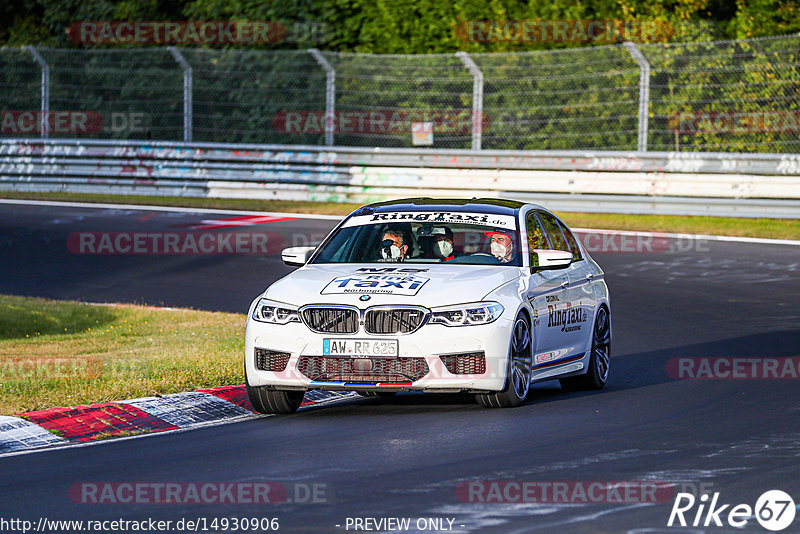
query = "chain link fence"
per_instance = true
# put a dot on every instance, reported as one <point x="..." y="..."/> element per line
<point x="731" y="96"/>
<point x="562" y="99"/>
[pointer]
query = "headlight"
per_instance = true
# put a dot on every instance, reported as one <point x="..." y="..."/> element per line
<point x="467" y="314"/>
<point x="268" y="311"/>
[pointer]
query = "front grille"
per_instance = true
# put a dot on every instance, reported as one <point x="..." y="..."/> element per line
<point x="468" y="363"/>
<point x="394" y="320"/>
<point x="331" y="320"/>
<point x="270" y="360"/>
<point x="346" y="370"/>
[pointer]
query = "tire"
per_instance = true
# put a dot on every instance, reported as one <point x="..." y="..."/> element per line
<point x="377" y="393"/>
<point x="273" y="401"/>
<point x="596" y="375"/>
<point x="520" y="363"/>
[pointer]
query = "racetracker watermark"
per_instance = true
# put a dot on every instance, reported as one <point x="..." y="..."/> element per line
<point x="731" y="368"/>
<point x="564" y="492"/>
<point x="734" y="121"/>
<point x="565" y="31"/>
<point x="72" y="122"/>
<point x="26" y="368"/>
<point x="397" y="121"/>
<point x="198" y="32"/>
<point x="180" y="493"/>
<point x="164" y="243"/>
<point x="639" y="242"/>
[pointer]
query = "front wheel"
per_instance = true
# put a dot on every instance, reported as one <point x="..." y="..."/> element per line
<point x="273" y="401"/>
<point x="597" y="374"/>
<point x="520" y="363"/>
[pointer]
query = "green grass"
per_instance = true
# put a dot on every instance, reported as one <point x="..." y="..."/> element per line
<point x="26" y="318"/>
<point x="56" y="353"/>
<point x="730" y="226"/>
<point x="116" y="434"/>
<point x="766" y="228"/>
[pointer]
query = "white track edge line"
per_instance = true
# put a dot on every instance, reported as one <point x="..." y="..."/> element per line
<point x="194" y="426"/>
<point x="73" y="444"/>
<point x="760" y="240"/>
<point x="144" y="207"/>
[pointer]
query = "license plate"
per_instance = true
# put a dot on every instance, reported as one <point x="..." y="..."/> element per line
<point x="386" y="348"/>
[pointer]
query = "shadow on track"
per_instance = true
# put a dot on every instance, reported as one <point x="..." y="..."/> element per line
<point x="629" y="371"/>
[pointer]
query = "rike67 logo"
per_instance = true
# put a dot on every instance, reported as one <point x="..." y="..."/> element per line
<point x="774" y="510"/>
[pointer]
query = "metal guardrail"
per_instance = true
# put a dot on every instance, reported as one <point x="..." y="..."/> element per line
<point x="744" y="185"/>
<point x="589" y="160"/>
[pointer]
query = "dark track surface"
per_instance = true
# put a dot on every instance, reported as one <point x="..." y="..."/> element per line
<point x="405" y="456"/>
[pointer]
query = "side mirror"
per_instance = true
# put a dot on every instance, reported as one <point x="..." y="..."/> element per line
<point x="552" y="259"/>
<point x="296" y="256"/>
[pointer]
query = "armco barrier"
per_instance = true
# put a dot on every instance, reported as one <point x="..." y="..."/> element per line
<point x="746" y="185"/>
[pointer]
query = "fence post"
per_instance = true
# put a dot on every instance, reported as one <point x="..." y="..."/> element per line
<point x="330" y="94"/>
<point x="45" y="105"/>
<point x="644" y="92"/>
<point x="477" y="98"/>
<point x="187" y="92"/>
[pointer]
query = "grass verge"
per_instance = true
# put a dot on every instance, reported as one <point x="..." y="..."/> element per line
<point x="60" y="353"/>
<point x="730" y="226"/>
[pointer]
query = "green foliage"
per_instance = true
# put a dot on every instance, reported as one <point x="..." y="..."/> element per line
<point x="415" y="27"/>
<point x="239" y="94"/>
<point x="739" y="96"/>
<point x="539" y="93"/>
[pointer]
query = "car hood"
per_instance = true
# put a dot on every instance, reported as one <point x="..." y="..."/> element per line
<point x="423" y="285"/>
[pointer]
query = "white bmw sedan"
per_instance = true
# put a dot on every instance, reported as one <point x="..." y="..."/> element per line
<point x="483" y="296"/>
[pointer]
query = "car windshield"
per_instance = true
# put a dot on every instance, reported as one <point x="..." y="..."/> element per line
<point x="425" y="237"/>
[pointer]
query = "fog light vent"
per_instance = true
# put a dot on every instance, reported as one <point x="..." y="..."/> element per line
<point x="270" y="360"/>
<point x="467" y="363"/>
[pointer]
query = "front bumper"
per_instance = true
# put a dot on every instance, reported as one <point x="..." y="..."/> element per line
<point x="428" y="343"/>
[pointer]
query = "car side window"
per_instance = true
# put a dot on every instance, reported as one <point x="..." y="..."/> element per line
<point x="573" y="244"/>
<point x="554" y="233"/>
<point x="536" y="238"/>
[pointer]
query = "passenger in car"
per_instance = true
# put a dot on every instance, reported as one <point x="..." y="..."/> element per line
<point x="438" y="242"/>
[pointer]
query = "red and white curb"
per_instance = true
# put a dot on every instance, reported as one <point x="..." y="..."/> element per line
<point x="177" y="411"/>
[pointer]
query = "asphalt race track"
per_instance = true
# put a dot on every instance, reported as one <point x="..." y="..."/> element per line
<point x="407" y="456"/>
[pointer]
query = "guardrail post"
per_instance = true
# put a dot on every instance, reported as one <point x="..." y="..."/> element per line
<point x="644" y="93"/>
<point x="45" y="104"/>
<point x="187" y="92"/>
<point x="477" y="98"/>
<point x="330" y="94"/>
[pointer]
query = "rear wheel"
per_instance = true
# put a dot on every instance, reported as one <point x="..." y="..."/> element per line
<point x="597" y="374"/>
<point x="520" y="362"/>
<point x="273" y="401"/>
